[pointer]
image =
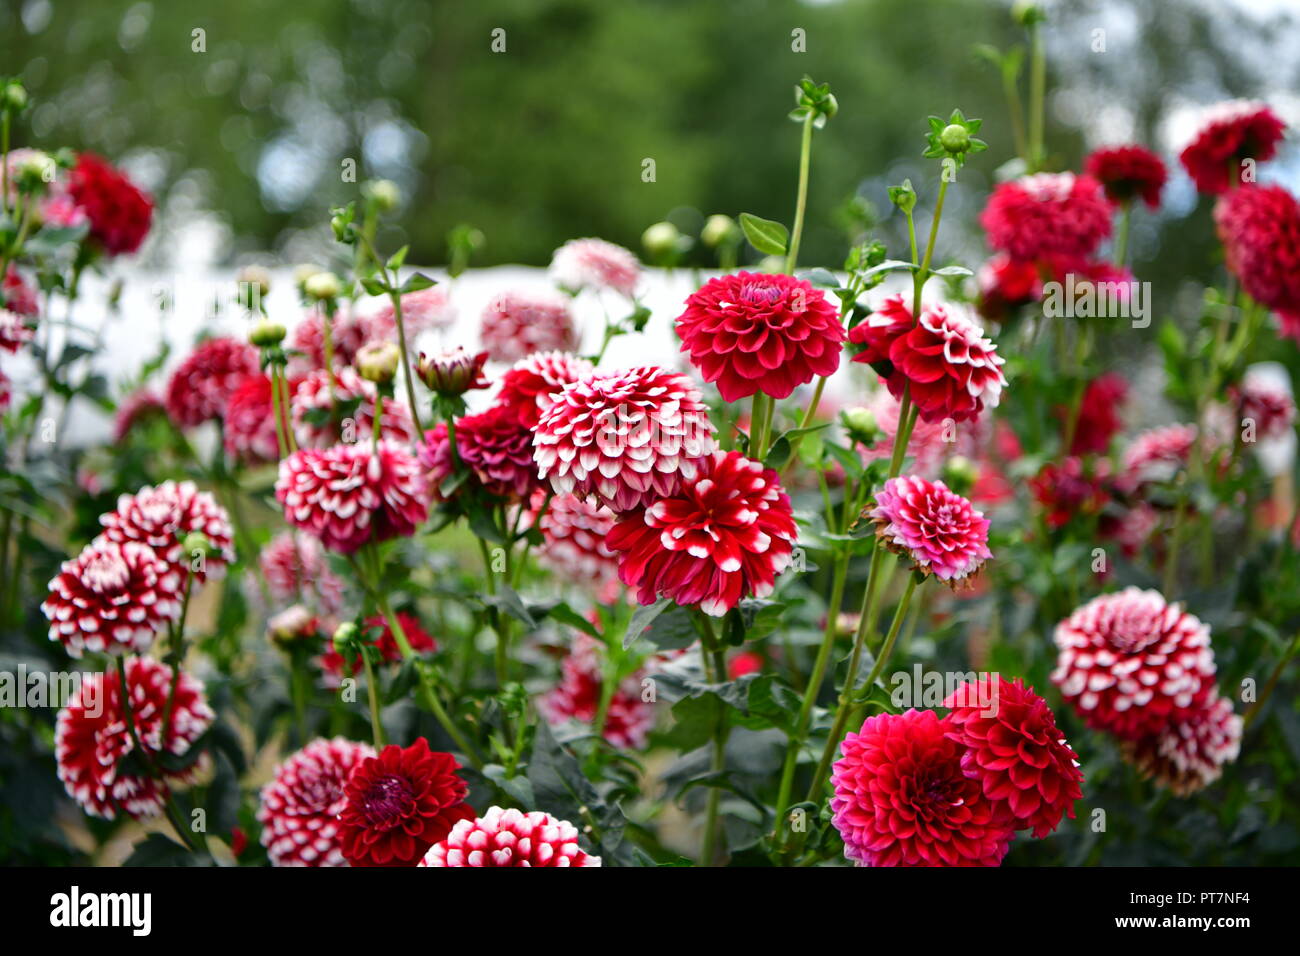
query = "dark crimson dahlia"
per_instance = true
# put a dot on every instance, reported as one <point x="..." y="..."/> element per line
<point x="1231" y="132"/>
<point x="118" y="211"/>
<point x="1128" y="173"/>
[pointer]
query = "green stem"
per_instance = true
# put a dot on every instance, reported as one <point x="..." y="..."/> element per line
<point x="1037" y="97"/>
<point x="801" y="204"/>
<point x="1121" y="234"/>
<point x="923" y="272"/>
<point x="407" y="373"/>
<point x="372" y="690"/>
<point x="1256" y="707"/>
<point x="758" y="419"/>
<point x="716" y="667"/>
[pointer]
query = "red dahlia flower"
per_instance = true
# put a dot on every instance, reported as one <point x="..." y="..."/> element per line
<point x="420" y="640"/>
<point x="510" y="838"/>
<point x="937" y="529"/>
<point x="1047" y="215"/>
<point x="249" y="426"/>
<point x="119" y="213"/>
<point x="349" y="331"/>
<point x="299" y="809"/>
<point x="725" y="535"/>
<point x="517" y="323"/>
<point x="1260" y="230"/>
<point x="901" y="798"/>
<point x="349" y="495"/>
<point x="112" y="598"/>
<point x="1069" y="490"/>
<point x="750" y="332"/>
<point x="1229" y="133"/>
<point x="1189" y="754"/>
<point x="497" y="447"/>
<point x="1099" y="419"/>
<point x="400" y="803"/>
<point x="452" y="372"/>
<point x="201" y="386"/>
<point x="162" y="517"/>
<point x="628" y="719"/>
<point x="1128" y="173"/>
<point x="627" y="437"/>
<point x="1156" y="456"/>
<point x="295" y="570"/>
<point x="595" y="264"/>
<point x="950" y="368"/>
<point x="1014" y="749"/>
<point x="435" y="458"/>
<point x="17" y="295"/>
<point x="531" y="386"/>
<point x="1132" y="664"/>
<point x="92" y="742"/>
<point x="1006" y="284"/>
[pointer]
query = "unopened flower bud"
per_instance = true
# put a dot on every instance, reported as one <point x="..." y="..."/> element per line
<point x="266" y="334"/>
<point x="861" y="425"/>
<point x="1027" y="13"/>
<point x="303" y="272"/>
<point x="35" y="172"/>
<point x="661" y="239"/>
<point x="453" y="372"/>
<point x="290" y="625"/>
<point x="719" y="229"/>
<point x="378" y="361"/>
<point x="196" y="544"/>
<point x="13" y="96"/>
<point x="345" y="638"/>
<point x="383" y="193"/>
<point x="323" y="286"/>
<point x="955" y="138"/>
<point x="255" y="277"/>
<point x="959" y="474"/>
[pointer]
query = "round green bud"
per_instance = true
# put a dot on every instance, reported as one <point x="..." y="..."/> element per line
<point x="13" y="96"/>
<point x="322" y="286"/>
<point x="383" y="193"/>
<point x="196" y="544"/>
<point x="861" y="425"/>
<point x="717" y="230"/>
<point x="345" y="637"/>
<point x="661" y="239"/>
<point x="378" y="361"/>
<point x="955" y="138"/>
<point x="1027" y="13"/>
<point x="35" y="172"/>
<point x="959" y="474"/>
<point x="266" y="334"/>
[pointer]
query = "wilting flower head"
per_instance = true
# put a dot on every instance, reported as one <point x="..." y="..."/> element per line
<point x="14" y="332"/>
<point x="119" y="213"/>
<point x="453" y="372"/>
<point x="112" y="598"/>
<point x="1006" y="284"/>
<point x="628" y="719"/>
<point x="1156" y="456"/>
<point x="164" y="516"/>
<point x="1260" y="230"/>
<point x="1128" y="173"/>
<point x="938" y="530"/>
<point x="510" y="838"/>
<point x="532" y="384"/>
<point x="1132" y="664"/>
<point x="595" y="264"/>
<point x="420" y="641"/>
<point x="299" y="808"/>
<point x="902" y="799"/>
<point x="750" y="333"/>
<point x="573" y="542"/>
<point x="497" y="447"/>
<point x="201" y="386"/>
<point x="1047" y="215"/>
<point x="97" y="757"/>
<point x="1229" y="133"/>
<point x="725" y="535"/>
<point x="400" y="803"/>
<point x="518" y="323"/>
<point x="350" y="495"/>
<point x="950" y="369"/>
<point x="1189" y="754"/>
<point x="314" y="409"/>
<point x="422" y="311"/>
<point x="1099" y="419"/>
<point x="295" y="569"/>
<point x="249" y="426"/>
<point x="628" y="437"/>
<point x="135" y="408"/>
<point x="1012" y="746"/>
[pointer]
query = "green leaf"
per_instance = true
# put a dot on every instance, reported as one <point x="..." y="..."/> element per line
<point x="398" y="258"/>
<point x="507" y="599"/>
<point x="417" y="282"/>
<point x="642" y="618"/>
<point x="768" y="237"/>
<point x="951" y="271"/>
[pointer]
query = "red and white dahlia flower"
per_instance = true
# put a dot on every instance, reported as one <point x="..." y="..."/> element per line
<point x="627" y="437"/>
<point x="950" y="369"/>
<point x="1047" y="215"/>
<point x="14" y="331"/>
<point x="1259" y="226"/>
<point x="532" y="384"/>
<point x="92" y="740"/>
<point x="518" y="323"/>
<point x="1156" y="456"/>
<point x="573" y="543"/>
<point x="162" y="517"/>
<point x="295" y="570"/>
<point x="497" y="447"/>
<point x="1132" y="664"/>
<point x="1229" y="133"/>
<point x="723" y="536"/>
<point x="902" y="799"/>
<point x="1264" y="402"/>
<point x="201" y="386"/>
<point x="937" y="529"/>
<point x="628" y="719"/>
<point x="510" y="838"/>
<point x="350" y="495"/>
<point x="1189" y="754"/>
<point x="313" y="406"/>
<point x="595" y="264"/>
<point x="299" y="809"/>
<point x="749" y="332"/>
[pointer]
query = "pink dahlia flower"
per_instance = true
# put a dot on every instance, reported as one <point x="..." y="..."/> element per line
<point x="1190" y="754"/>
<point x="1128" y="173"/>
<point x="299" y="808"/>
<point x="1013" y="748"/>
<point x="1156" y="456"/>
<point x="573" y="543"/>
<point x="944" y="361"/>
<point x="1229" y="133"/>
<point x="1267" y="405"/>
<point x="162" y="517"/>
<point x="628" y="719"/>
<point x="937" y="529"/>
<point x="510" y="838"/>
<point x="595" y="264"/>
<point x="532" y="384"/>
<point x="750" y="333"/>
<point x="422" y="311"/>
<point x="97" y="757"/>
<point x="627" y="437"/>
<point x="249" y="427"/>
<point x="349" y="331"/>
<point x="725" y="535"/>
<point x="14" y="331"/>
<point x="1260" y="230"/>
<point x="518" y="323"/>
<point x="1047" y="215"/>
<point x="295" y="570"/>
<point x="436" y="459"/>
<point x="112" y="598"/>
<point x="201" y="386"/>
<point x="313" y="409"/>
<point x="351" y="495"/>
<point x="1132" y="664"/>
<point x="497" y="447"/>
<point x="902" y="799"/>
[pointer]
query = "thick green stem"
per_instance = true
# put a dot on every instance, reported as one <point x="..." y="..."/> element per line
<point x="1037" y="97"/>
<point x="372" y="691"/>
<point x="716" y="666"/>
<point x="801" y="204"/>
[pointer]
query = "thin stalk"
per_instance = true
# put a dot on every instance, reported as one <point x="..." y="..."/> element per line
<point x="1037" y="96"/>
<point x="1256" y="707"/>
<point x="1121" y="234"/>
<point x="406" y="365"/>
<point x="372" y="690"/>
<point x="801" y="204"/>
<point x="716" y="667"/>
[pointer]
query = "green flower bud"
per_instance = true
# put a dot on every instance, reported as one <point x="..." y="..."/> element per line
<point x="661" y="239"/>
<point x="955" y="138"/>
<point x="196" y="544"/>
<point x="378" y="361"/>
<point x="323" y="286"/>
<point x="1027" y="13"/>
<point x="383" y="193"/>
<point x="345" y="638"/>
<point x="266" y="334"/>
<point x="13" y="97"/>
<point x="35" y="172"/>
<point x="861" y="425"/>
<point x="959" y="474"/>
<point x="718" y="230"/>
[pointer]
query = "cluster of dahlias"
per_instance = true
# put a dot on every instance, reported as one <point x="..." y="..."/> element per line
<point x="914" y="789"/>
<point x="338" y="803"/>
<point x="1142" y="669"/>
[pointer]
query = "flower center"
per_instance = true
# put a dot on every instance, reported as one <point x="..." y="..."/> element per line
<point x="388" y="800"/>
<point x="759" y="293"/>
<point x="106" y="573"/>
